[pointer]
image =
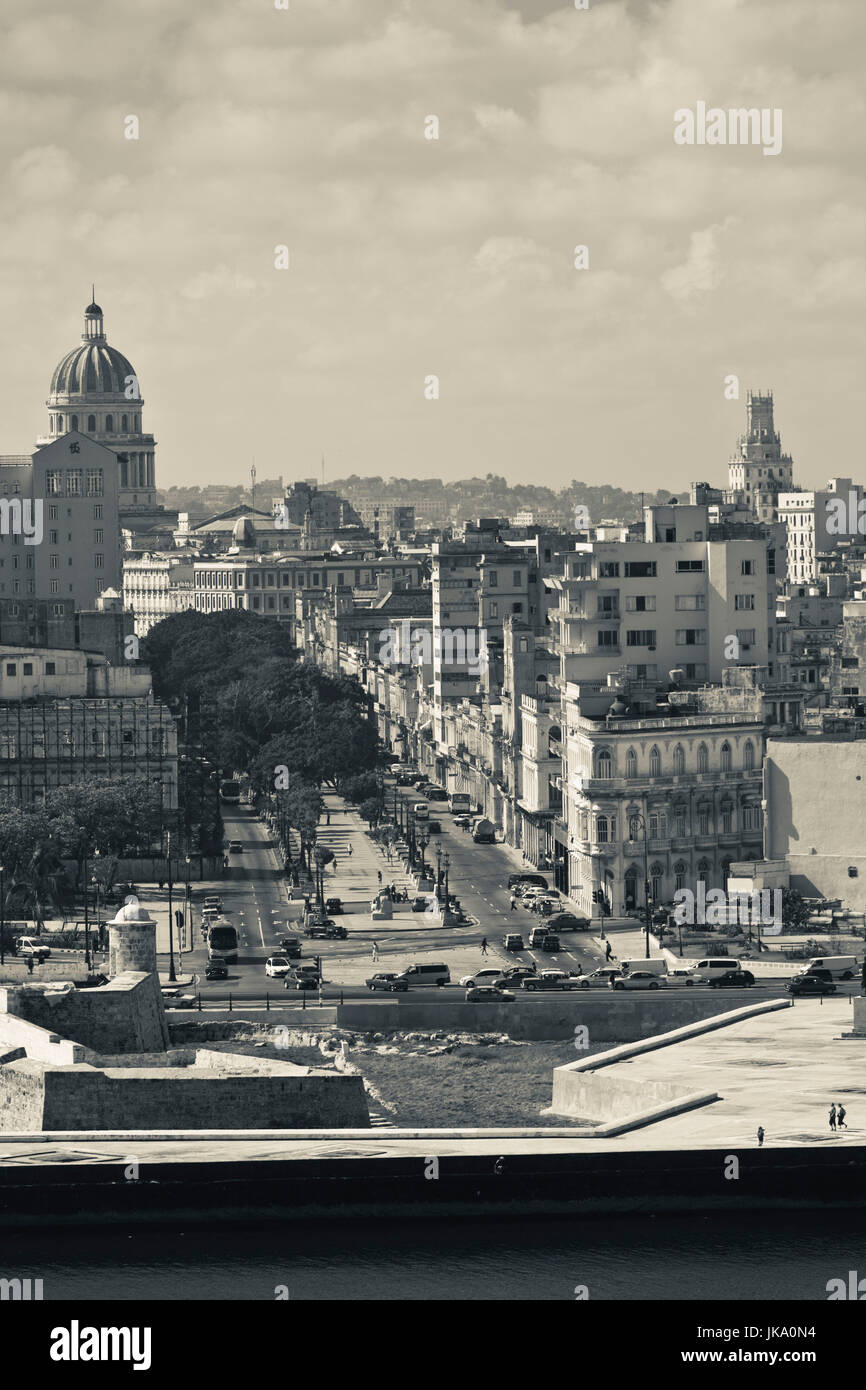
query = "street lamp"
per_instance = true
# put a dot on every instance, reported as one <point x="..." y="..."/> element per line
<point x="637" y="818"/>
<point x="86" y="914"/>
<point x="438" y="872"/>
<point x="447" y="867"/>
<point x="171" y="971"/>
<point x="2" y="917"/>
<point x="187" y="909"/>
<point x="423" y="842"/>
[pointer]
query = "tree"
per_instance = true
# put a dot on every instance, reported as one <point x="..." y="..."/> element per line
<point x="795" y="911"/>
<point x="371" y="811"/>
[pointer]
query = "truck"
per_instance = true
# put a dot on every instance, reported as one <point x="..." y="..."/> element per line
<point x="483" y="832"/>
<point x="839" y="967"/>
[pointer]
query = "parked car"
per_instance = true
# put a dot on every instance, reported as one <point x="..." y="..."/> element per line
<point x="436" y="794"/>
<point x="840" y="967"/>
<point x="406" y="779"/>
<point x="490" y="994"/>
<point x="434" y="827"/>
<point x="536" y="880"/>
<point x="513" y="941"/>
<point x="637" y="979"/>
<point x="550" y="979"/>
<point x="599" y="979"/>
<point x="32" y="946"/>
<point x="423" y="976"/>
<point x="174" y="999"/>
<point x="514" y="974"/>
<point x="277" y="967"/>
<point x="216" y="969"/>
<point x="735" y="979"/>
<point x="551" y="942"/>
<point x="481" y="977"/>
<point x="810" y="984"/>
<point x="334" y="905"/>
<point x="235" y="847"/>
<point x="680" y="977"/>
<point x="462" y="819"/>
<point x="291" y="947"/>
<point x="386" y="980"/>
<point x="568" y="921"/>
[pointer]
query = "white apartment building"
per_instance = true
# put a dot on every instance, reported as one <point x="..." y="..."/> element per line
<point x="812" y="525"/>
<point x="155" y="587"/>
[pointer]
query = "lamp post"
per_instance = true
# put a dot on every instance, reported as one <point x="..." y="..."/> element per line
<point x="646" y="883"/>
<point x="86" y="914"/>
<point x="423" y="842"/>
<point x="447" y="867"/>
<point x="171" y="971"/>
<point x="436" y="893"/>
<point x="410" y="817"/>
<point x="187" y="909"/>
<point x="2" y="918"/>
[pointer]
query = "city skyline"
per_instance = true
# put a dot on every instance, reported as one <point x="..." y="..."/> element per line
<point x="412" y="257"/>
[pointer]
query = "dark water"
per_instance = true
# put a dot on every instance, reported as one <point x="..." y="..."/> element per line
<point x="759" y="1256"/>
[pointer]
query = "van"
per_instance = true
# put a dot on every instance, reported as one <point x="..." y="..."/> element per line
<point x="422" y="976"/>
<point x="421" y="810"/>
<point x="840" y="967"/>
<point x="656" y="965"/>
<point x="713" y="968"/>
<point x="536" y="937"/>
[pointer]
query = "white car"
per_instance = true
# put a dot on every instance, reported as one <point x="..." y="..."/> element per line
<point x="278" y="967"/>
<point x="680" y="977"/>
<point x="481" y="977"/>
<point x="599" y="979"/>
<point x="32" y="946"/>
<point x="638" y="979"/>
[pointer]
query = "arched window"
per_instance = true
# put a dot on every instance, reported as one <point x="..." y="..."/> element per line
<point x="656" y="875"/>
<point x="680" y="875"/>
<point x="603" y="764"/>
<point x="601" y="829"/>
<point x="703" y="871"/>
<point x="726" y="757"/>
<point x="679" y="819"/>
<point x="704" y="820"/>
<point x="631" y="887"/>
<point x="631" y="763"/>
<point x="726" y="869"/>
<point x="91" y="424"/>
<point x="749" y="755"/>
<point x="109" y="424"/>
<point x="124" y="424"/>
<point x="73" y="422"/>
<point x="633" y="827"/>
<point x="655" y="762"/>
<point x="727" y="817"/>
<point x="679" y="759"/>
<point x="703" y="758"/>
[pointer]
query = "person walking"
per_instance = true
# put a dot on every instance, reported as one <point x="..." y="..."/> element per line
<point x="607" y="951"/>
<point x="291" y="893"/>
<point x="833" y="1118"/>
<point x="513" y="902"/>
<point x="327" y="818"/>
<point x="351" y="850"/>
<point x="760" y="1137"/>
<point x="484" y="945"/>
<point x="840" y="1117"/>
<point x="380" y="877"/>
<point x="375" y="951"/>
<point x="30" y="965"/>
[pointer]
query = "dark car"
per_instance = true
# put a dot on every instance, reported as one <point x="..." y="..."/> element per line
<point x="437" y="794"/>
<point x="291" y="947"/>
<point x="733" y="979"/>
<point x="550" y="979"/>
<point x="302" y="982"/>
<point x="568" y="921"/>
<point x="491" y="994"/>
<point x="529" y="880"/>
<point x="434" y="827"/>
<point x="513" y="941"/>
<point x="514" y="974"/>
<point x="811" y="984"/>
<point x="406" y="779"/>
<point x="319" y="927"/>
<point x="551" y="942"/>
<point x="386" y="981"/>
<point x="216" y="969"/>
<point x="334" y="905"/>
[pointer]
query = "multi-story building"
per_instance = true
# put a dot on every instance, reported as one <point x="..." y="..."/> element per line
<point x="157" y="586"/>
<point x="268" y="584"/>
<point x="813" y="526"/>
<point x="759" y="470"/>
<point x="66" y="716"/>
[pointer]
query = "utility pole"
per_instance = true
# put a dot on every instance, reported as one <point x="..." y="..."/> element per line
<point x="171" y="974"/>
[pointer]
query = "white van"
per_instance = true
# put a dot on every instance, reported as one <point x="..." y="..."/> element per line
<point x="656" y="965"/>
<point x="421" y="810"/>
<point x="840" y="967"/>
<point x="423" y="976"/>
<point x="714" y="967"/>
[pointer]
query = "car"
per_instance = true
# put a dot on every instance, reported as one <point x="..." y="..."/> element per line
<point x="334" y="905"/>
<point x="278" y="967"/>
<point x="32" y="946"/>
<point x="462" y="819"/>
<point x="291" y="946"/>
<point x="812" y="983"/>
<point x="637" y="979"/>
<point x="735" y="979"/>
<point x="599" y="979"/>
<point x="551" y="942"/>
<point x="213" y="900"/>
<point x="405" y="779"/>
<point x="550" y="979"/>
<point x="328" y="931"/>
<point x="534" y="880"/>
<point x="216" y="969"/>
<point x="420" y="810"/>
<point x="174" y="999"/>
<point x="235" y="847"/>
<point x="568" y="921"/>
<point x="386" y="980"/>
<point x="513" y="974"/>
<point x="422" y="902"/>
<point x="536" y="938"/>
<point x="491" y="994"/>
<point x="483" y="977"/>
<point x="513" y="941"/>
<point x="303" y="982"/>
<point x="434" y="827"/>
<point x="681" y="977"/>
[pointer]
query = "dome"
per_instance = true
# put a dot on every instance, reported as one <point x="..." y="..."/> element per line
<point x="93" y="308"/>
<point x="132" y="911"/>
<point x="93" y="368"/>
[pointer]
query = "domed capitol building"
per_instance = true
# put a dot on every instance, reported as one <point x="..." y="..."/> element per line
<point x="95" y="390"/>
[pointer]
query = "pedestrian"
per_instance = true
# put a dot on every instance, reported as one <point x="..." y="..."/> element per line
<point x="607" y="951"/>
<point x="161" y="881"/>
<point x="513" y="902"/>
<point x="760" y="1137"/>
<point x="327" y="818"/>
<point x="375" y="951"/>
<point x="380" y="875"/>
<point x="30" y="965"/>
<point x="833" y="1118"/>
<point x="484" y="945"/>
<point x="840" y="1117"/>
<point x="351" y="851"/>
<point x="291" y="893"/>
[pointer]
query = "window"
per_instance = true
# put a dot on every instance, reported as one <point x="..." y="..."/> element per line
<point x="517" y="607"/>
<point x="746" y="637"/>
<point x="54" y="485"/>
<point x="55" y="562"/>
<point x="679" y="760"/>
<point x="73" y="422"/>
<point x="494" y="579"/>
<point x="640" y="603"/>
<point x="516" y="579"/>
<point x="641" y="638"/>
<point x="124" y="424"/>
<point x="679" y="822"/>
<point x="703" y="758"/>
<point x="608" y="569"/>
<point x="98" y="562"/>
<point x="608" y="639"/>
<point x="679" y="875"/>
<point x="749" y="755"/>
<point x="850" y="663"/>
<point x="639" y="569"/>
<point x="691" y="636"/>
<point x="11" y="669"/>
<point x="601" y="829"/>
<point x="744" y="602"/>
<point x="696" y="670"/>
<point x="493" y="610"/>
<point x="27" y="669"/>
<point x="109" y="423"/>
<point x="603" y="764"/>
<point x="52" y="512"/>
<point x="747" y="567"/>
<point x="703" y="820"/>
<point x="73" y="482"/>
<point x="94" y="485"/>
<point x="656" y="825"/>
<point x="608" y="604"/>
<point x="690" y="603"/>
<point x="91" y="423"/>
<point x="751" y="818"/>
<point x="631" y="763"/>
<point x="633" y="827"/>
<point x="579" y="571"/>
<point x="727" y="818"/>
<point x="655" y="762"/>
<point x="690" y="566"/>
<point x="725" y="757"/>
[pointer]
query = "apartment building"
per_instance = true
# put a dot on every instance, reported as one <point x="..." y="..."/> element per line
<point x="758" y="470"/>
<point x="815" y="526"/>
<point x="157" y="586"/>
<point x="267" y="584"/>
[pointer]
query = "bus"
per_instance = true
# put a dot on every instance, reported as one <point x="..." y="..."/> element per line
<point x="230" y="792"/>
<point x="459" y="802"/>
<point x="222" y="940"/>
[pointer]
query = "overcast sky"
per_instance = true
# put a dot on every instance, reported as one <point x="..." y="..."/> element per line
<point x="412" y="257"/>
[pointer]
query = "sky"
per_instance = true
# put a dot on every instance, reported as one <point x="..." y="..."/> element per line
<point x="412" y="258"/>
